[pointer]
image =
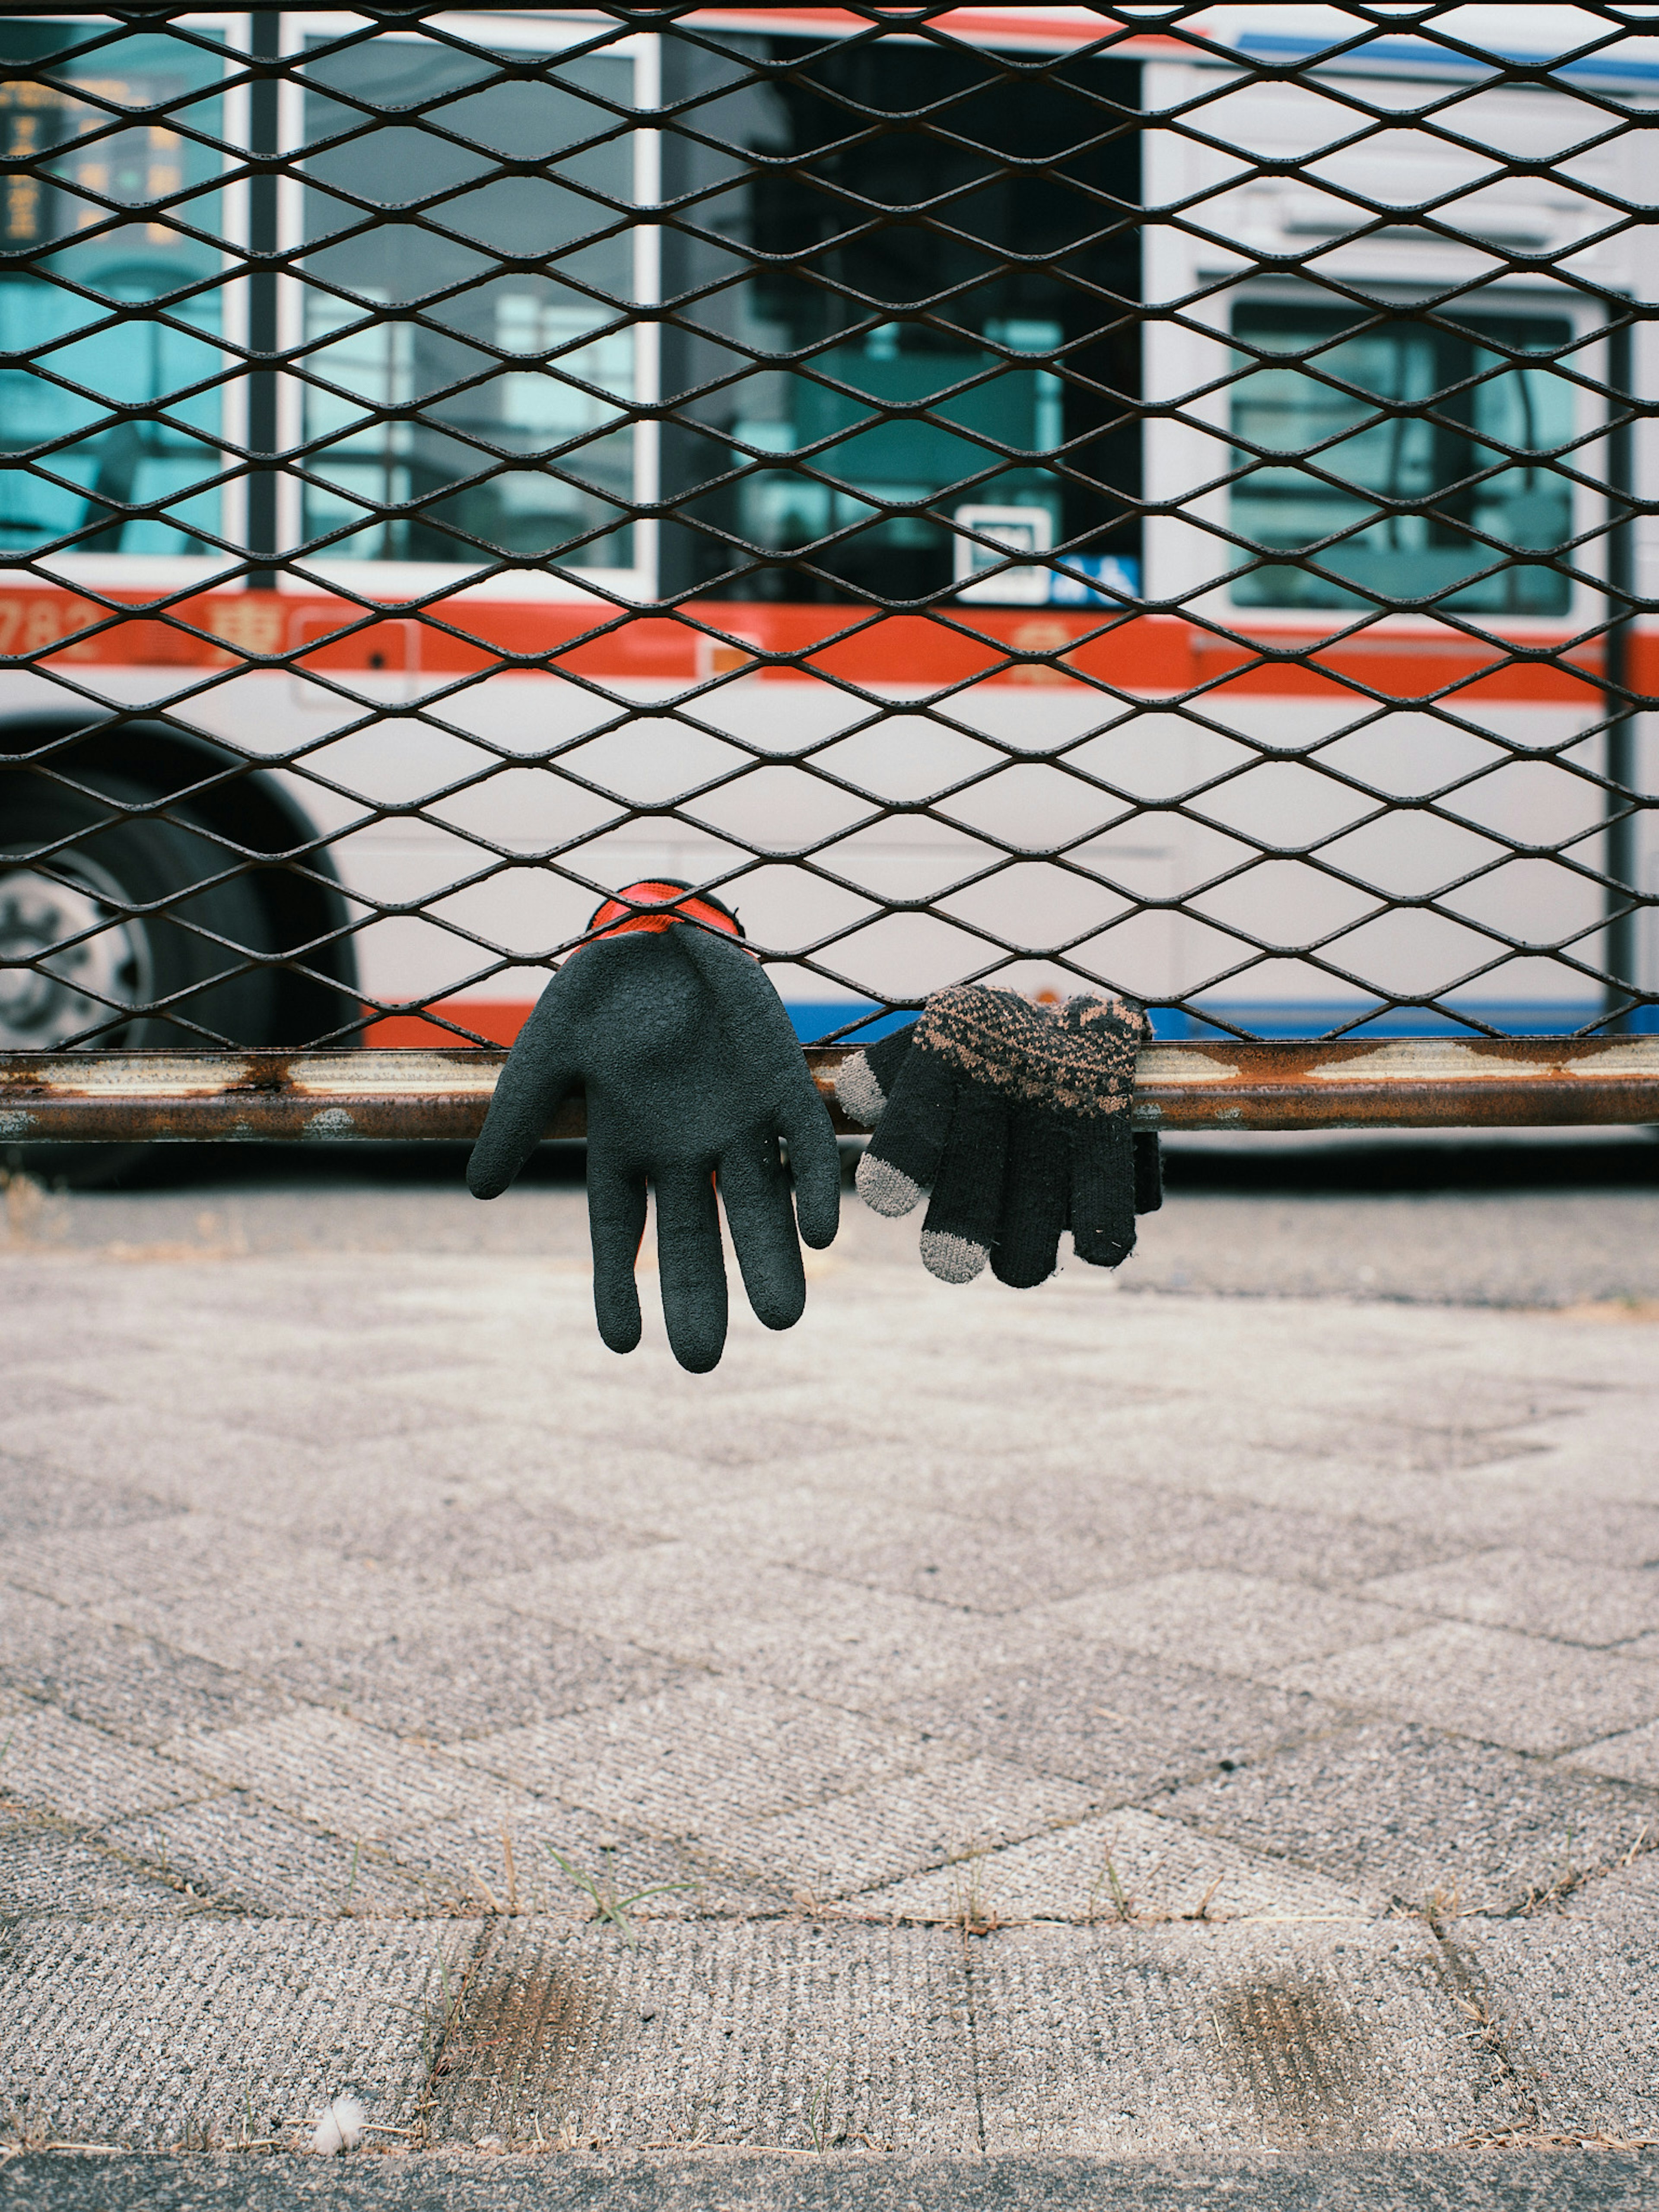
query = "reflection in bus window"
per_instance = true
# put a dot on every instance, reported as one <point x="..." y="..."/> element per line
<point x="99" y="254"/>
<point x="531" y="458"/>
<point x="998" y="299"/>
<point x="1450" y="409"/>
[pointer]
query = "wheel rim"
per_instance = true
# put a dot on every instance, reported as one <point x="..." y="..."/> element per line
<point x="69" y="961"/>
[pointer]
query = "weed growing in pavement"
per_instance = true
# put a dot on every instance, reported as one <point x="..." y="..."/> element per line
<point x="607" y="1905"/>
<point x="1128" y="1910"/>
<point x="492" y="1903"/>
<point x="1542" y="2139"/>
<point x="1122" y="1904"/>
<point x="971" y="1909"/>
<point x="817" y="2122"/>
<point x="437" y="2028"/>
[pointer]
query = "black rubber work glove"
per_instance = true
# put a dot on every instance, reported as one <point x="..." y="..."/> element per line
<point x="692" y="1072"/>
<point x="1016" y="1117"/>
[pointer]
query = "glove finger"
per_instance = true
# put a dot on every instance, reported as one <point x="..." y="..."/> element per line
<point x="966" y="1206"/>
<point x="814" y="1163"/>
<point x="865" y="1080"/>
<point x="755" y="1192"/>
<point x="904" y="1153"/>
<point x="1103" y="1190"/>
<point x="692" y="1267"/>
<point x="616" y="1222"/>
<point x="1036" y="1192"/>
<point x="538" y="1077"/>
<point x="1149" y="1172"/>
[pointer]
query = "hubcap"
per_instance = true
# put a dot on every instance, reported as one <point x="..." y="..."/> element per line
<point x="68" y="961"/>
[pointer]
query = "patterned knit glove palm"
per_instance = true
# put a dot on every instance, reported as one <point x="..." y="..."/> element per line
<point x="1016" y="1117"/>
<point x="692" y="1072"/>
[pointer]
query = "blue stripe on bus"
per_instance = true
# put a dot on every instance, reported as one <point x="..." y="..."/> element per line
<point x="816" y="1019"/>
<point x="1411" y="54"/>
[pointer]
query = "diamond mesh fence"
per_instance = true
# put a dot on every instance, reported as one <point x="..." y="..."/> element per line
<point x="1148" y="497"/>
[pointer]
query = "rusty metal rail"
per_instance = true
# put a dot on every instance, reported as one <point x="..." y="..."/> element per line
<point x="1394" y="1083"/>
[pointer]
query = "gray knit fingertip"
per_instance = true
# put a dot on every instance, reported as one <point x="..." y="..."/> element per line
<point x="857" y="1093"/>
<point x="884" y="1188"/>
<point x="952" y="1258"/>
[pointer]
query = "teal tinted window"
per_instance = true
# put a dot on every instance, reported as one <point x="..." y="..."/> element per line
<point x="108" y="227"/>
<point x="914" y="312"/>
<point x="1407" y="411"/>
<point x="522" y="447"/>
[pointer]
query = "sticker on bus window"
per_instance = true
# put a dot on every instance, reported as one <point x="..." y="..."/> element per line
<point x="1010" y="529"/>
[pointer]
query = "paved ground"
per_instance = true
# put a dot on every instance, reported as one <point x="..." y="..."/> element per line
<point x="1120" y="1720"/>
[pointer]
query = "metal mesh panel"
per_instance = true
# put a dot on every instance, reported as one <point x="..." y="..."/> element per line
<point x="1084" y="496"/>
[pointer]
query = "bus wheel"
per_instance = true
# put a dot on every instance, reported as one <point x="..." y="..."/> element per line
<point x="80" y="972"/>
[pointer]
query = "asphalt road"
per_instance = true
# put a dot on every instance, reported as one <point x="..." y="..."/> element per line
<point x="1558" y="1220"/>
<point x="1557" y="2181"/>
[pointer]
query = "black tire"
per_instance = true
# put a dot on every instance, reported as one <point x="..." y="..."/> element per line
<point x="161" y="960"/>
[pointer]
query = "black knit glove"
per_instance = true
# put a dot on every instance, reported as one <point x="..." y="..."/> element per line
<point x="692" y="1072"/>
<point x="1016" y="1117"/>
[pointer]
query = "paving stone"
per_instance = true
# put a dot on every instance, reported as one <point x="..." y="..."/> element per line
<point x="36" y="1391"/>
<point x="30" y="1626"/>
<point x="780" y="2035"/>
<point x="1286" y="1546"/>
<point x="1569" y="1599"/>
<point x="947" y="1558"/>
<point x="1602" y="1531"/>
<point x="1234" y="1624"/>
<point x="1486" y="1682"/>
<point x="35" y="1498"/>
<point x="149" y="2034"/>
<point x="62" y="1766"/>
<point x="468" y="1541"/>
<point x="238" y="1853"/>
<point x="107" y="1443"/>
<point x="712" y="1750"/>
<point x="1126" y="1867"/>
<point x="353" y="1780"/>
<point x="1120" y="2041"/>
<point x="132" y="1685"/>
<point x="458" y="1860"/>
<point x="191" y="1581"/>
<point x="1021" y="1488"/>
<point x="1571" y="1990"/>
<point x="665" y="1597"/>
<point x="862" y="1649"/>
<point x="46" y="1868"/>
<point x="1132" y="2041"/>
<point x="1393" y="1814"/>
<point x="240" y="1397"/>
<point x="473" y="1676"/>
<point x="1632" y="1757"/>
<point x="1110" y="1719"/>
<point x="894" y="1827"/>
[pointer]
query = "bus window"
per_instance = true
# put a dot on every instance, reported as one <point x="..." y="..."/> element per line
<point x="63" y="316"/>
<point x="1459" y="396"/>
<point x="452" y="312"/>
<point x="1000" y="301"/>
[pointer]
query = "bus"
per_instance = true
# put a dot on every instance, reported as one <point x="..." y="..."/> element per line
<point x="1022" y="494"/>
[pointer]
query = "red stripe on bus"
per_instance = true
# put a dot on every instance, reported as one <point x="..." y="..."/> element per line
<point x="497" y="1021"/>
<point x="1150" y="656"/>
